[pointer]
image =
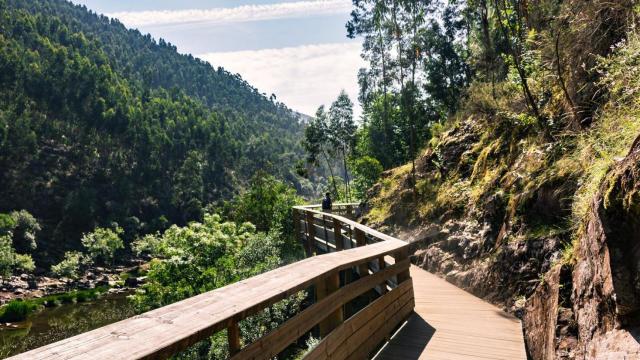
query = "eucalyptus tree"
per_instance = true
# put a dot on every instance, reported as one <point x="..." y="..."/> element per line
<point x="369" y="20"/>
<point x="417" y="54"/>
<point x="317" y="143"/>
<point x="342" y="131"/>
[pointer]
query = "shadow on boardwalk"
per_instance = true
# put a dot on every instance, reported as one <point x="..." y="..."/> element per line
<point x="416" y="333"/>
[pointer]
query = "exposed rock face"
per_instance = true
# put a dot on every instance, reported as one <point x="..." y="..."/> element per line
<point x="606" y="278"/>
<point x="462" y="252"/>
<point x="540" y="317"/>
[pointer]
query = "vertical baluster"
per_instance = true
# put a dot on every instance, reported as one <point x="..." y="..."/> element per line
<point x="296" y="224"/>
<point x="381" y="265"/>
<point x="326" y="233"/>
<point x="233" y="337"/>
<point x="361" y="240"/>
<point x="311" y="234"/>
<point x="337" y="235"/>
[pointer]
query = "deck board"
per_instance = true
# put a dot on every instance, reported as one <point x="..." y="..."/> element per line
<point x="449" y="323"/>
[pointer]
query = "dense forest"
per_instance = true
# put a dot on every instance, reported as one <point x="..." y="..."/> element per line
<point x="103" y="126"/>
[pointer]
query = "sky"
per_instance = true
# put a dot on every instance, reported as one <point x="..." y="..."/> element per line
<point x="295" y="49"/>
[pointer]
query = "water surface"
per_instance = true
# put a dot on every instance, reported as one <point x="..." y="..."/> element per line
<point x="57" y="323"/>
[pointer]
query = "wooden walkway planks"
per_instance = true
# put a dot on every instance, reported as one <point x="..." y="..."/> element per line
<point x="451" y="324"/>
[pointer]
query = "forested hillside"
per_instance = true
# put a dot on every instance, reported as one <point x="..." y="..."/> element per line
<point x="509" y="134"/>
<point x="101" y="125"/>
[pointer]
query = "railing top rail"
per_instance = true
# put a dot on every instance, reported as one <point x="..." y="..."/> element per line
<point x="354" y="224"/>
<point x="164" y="331"/>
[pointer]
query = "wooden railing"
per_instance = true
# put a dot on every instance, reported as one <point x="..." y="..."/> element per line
<point x="359" y="264"/>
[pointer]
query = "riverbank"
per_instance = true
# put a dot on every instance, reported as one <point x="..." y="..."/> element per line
<point x="117" y="279"/>
<point x="52" y="324"/>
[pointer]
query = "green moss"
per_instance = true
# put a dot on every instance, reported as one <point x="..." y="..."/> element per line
<point x="389" y="191"/>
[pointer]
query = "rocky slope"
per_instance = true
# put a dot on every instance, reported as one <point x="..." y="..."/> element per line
<point x="576" y="302"/>
<point x="541" y="220"/>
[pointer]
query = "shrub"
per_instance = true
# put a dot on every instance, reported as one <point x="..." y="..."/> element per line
<point x="70" y="265"/>
<point x="103" y="243"/>
<point x="24" y="233"/>
<point x="7" y="224"/>
<point x="24" y="262"/>
<point x="10" y="261"/>
<point x="366" y="171"/>
<point x="16" y="310"/>
<point x="266" y="204"/>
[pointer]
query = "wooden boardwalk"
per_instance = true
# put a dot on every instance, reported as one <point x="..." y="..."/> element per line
<point x="450" y="324"/>
<point x="444" y="322"/>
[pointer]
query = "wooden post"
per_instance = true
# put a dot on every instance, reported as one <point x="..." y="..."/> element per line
<point x="337" y="235"/>
<point x="399" y="256"/>
<point x="349" y="212"/>
<point x="233" y="337"/>
<point x="311" y="234"/>
<point x="296" y="224"/>
<point x="326" y="233"/>
<point x="381" y="265"/>
<point x="361" y="240"/>
<point x="323" y="288"/>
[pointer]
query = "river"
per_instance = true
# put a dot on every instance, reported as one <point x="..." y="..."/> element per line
<point x="57" y="323"/>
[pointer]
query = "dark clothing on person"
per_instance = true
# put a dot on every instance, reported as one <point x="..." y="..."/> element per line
<point x="326" y="203"/>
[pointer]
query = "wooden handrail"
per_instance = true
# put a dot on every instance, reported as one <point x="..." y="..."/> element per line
<point x="162" y="332"/>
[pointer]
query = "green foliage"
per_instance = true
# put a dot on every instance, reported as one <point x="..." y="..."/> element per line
<point x="366" y="171"/>
<point x="7" y="256"/>
<point x="610" y="139"/>
<point x="69" y="266"/>
<point x="7" y="224"/>
<point x="25" y="230"/>
<point x="193" y="259"/>
<point x="22" y="228"/>
<point x="103" y="243"/>
<point x="332" y="136"/>
<point x="10" y="261"/>
<point x="266" y="204"/>
<point x="204" y="256"/>
<point x="24" y="263"/>
<point x="104" y="124"/>
<point x="16" y="310"/>
<point x="417" y="72"/>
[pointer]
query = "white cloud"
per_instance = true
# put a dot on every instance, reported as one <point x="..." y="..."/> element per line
<point x="302" y="77"/>
<point x="236" y="14"/>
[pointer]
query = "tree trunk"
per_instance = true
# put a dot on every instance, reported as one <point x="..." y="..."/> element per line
<point x="385" y="115"/>
<point x="333" y="178"/>
<point x="561" y="81"/>
<point x="516" y="58"/>
<point x="346" y="175"/>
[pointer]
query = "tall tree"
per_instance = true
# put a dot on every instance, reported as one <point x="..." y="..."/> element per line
<point x="317" y="143"/>
<point x="424" y="65"/>
<point x="342" y="130"/>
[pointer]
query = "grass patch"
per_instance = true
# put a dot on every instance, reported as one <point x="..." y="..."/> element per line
<point x="17" y="310"/>
<point x="20" y="310"/>
<point x="617" y="126"/>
